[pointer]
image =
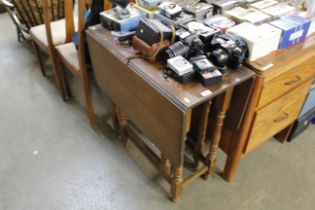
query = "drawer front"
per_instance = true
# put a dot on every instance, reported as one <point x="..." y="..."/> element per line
<point x="276" y="116"/>
<point x="287" y="81"/>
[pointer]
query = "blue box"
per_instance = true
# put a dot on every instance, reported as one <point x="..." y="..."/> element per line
<point x="294" y="29"/>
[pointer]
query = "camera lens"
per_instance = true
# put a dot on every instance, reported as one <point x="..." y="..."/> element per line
<point x="219" y="57"/>
<point x="178" y="48"/>
<point x="237" y="58"/>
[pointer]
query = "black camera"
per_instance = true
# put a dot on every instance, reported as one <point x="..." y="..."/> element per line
<point x="152" y="31"/>
<point x="188" y="45"/>
<point x="227" y="50"/>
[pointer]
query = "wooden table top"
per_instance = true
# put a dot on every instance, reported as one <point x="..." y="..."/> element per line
<point x="302" y="50"/>
<point x="183" y="95"/>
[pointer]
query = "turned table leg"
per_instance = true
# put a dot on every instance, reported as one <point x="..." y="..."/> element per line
<point x="202" y="131"/>
<point x="165" y="166"/>
<point x="115" y="112"/>
<point x="177" y="183"/>
<point x="223" y="104"/>
<point x="122" y="122"/>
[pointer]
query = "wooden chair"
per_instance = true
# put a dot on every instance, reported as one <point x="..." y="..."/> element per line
<point x="75" y="59"/>
<point x="52" y="33"/>
<point x="26" y="14"/>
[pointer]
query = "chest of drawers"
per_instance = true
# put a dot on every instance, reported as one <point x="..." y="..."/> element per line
<point x="283" y="80"/>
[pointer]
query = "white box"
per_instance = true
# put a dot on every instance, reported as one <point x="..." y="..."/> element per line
<point x="263" y="4"/>
<point x="240" y="15"/>
<point x="279" y="10"/>
<point x="261" y="40"/>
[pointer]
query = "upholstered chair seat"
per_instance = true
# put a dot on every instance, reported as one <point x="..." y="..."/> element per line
<point x="58" y="29"/>
<point x="69" y="55"/>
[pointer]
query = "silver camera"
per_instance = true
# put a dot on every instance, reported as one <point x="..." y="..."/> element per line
<point x="180" y="69"/>
<point x="121" y="19"/>
<point x="170" y="10"/>
<point x="149" y="4"/>
<point x="179" y="65"/>
<point x="199" y="10"/>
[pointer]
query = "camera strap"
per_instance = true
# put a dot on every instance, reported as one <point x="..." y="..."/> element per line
<point x="157" y="50"/>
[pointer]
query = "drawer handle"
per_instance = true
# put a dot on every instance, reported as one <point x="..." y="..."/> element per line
<point x="285" y="116"/>
<point x="296" y="80"/>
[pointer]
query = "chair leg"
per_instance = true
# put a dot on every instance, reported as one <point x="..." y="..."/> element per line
<point x="88" y="99"/>
<point x="57" y="73"/>
<point x="40" y="61"/>
<point x="65" y="81"/>
<point x="20" y="35"/>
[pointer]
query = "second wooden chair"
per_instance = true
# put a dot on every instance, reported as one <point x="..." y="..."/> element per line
<point x="74" y="59"/>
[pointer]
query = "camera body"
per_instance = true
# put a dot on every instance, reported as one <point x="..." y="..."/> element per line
<point x="181" y="69"/>
<point x="205" y="32"/>
<point x="206" y="72"/>
<point x="175" y="21"/>
<point x="219" y="21"/>
<point x="227" y="50"/>
<point x="188" y="45"/>
<point x="223" y="5"/>
<point x="149" y="30"/>
<point x="121" y="19"/>
<point x="170" y="10"/>
<point x="199" y="10"/>
<point x="201" y="63"/>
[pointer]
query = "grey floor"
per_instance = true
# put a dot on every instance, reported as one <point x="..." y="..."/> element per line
<point x="51" y="159"/>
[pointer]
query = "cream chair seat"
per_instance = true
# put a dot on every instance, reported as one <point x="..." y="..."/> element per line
<point x="68" y="53"/>
<point x="58" y="29"/>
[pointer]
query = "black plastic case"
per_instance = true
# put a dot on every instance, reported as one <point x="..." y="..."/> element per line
<point x="149" y="31"/>
<point x="184" y="78"/>
<point x="301" y="124"/>
<point x="209" y="77"/>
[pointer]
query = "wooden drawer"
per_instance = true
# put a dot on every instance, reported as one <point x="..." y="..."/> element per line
<point x="287" y="81"/>
<point x="276" y="116"/>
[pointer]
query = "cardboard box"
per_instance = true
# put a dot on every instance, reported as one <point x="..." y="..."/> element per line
<point x="279" y="10"/>
<point x="294" y="29"/>
<point x="240" y="15"/>
<point x="263" y="4"/>
<point x="261" y="40"/>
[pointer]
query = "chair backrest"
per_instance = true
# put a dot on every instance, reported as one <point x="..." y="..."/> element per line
<point x="30" y="12"/>
<point x="68" y="7"/>
<point x="70" y="25"/>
